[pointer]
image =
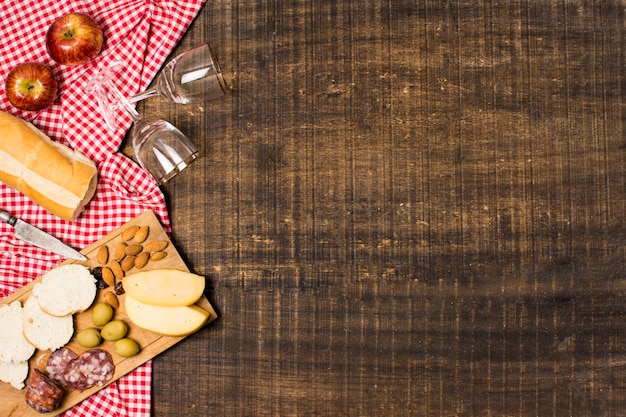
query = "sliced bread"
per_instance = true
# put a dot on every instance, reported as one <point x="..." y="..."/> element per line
<point x="14" y="373"/>
<point x="44" y="330"/>
<point x="14" y="347"/>
<point x="64" y="290"/>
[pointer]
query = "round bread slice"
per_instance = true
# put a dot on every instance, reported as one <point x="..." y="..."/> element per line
<point x="14" y="373"/>
<point x="14" y="347"/>
<point x="64" y="290"/>
<point x="45" y="331"/>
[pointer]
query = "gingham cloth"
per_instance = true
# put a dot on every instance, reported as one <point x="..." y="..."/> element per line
<point x="141" y="33"/>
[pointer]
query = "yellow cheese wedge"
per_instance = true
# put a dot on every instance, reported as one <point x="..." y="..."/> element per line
<point x="165" y="320"/>
<point x="165" y="287"/>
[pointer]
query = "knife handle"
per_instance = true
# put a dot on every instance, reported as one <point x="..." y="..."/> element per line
<point x="6" y="217"/>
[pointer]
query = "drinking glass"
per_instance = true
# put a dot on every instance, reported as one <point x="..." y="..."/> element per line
<point x="193" y="76"/>
<point x="159" y="146"/>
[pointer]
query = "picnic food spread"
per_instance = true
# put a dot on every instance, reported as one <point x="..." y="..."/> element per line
<point x="70" y="332"/>
<point x="63" y="170"/>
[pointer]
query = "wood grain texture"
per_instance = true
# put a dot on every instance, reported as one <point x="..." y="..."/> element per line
<point x="405" y="208"/>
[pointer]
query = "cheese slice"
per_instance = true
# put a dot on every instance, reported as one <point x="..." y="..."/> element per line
<point x="165" y="287"/>
<point x="165" y="320"/>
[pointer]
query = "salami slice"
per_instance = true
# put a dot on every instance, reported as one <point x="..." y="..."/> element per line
<point x="73" y="377"/>
<point x="93" y="367"/>
<point x="42" y="393"/>
<point x="58" y="364"/>
<point x="97" y="367"/>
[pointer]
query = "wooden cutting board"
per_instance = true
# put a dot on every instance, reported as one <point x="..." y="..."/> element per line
<point x="12" y="400"/>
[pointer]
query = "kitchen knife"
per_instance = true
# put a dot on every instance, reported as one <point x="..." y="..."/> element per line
<point x="38" y="237"/>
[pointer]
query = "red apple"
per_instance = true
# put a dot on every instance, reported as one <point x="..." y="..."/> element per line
<point x="74" y="39"/>
<point x="31" y="86"/>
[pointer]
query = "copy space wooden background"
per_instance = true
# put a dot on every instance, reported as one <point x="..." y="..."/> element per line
<point x="405" y="208"/>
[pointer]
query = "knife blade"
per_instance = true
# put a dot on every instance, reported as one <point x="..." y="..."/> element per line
<point x="31" y="234"/>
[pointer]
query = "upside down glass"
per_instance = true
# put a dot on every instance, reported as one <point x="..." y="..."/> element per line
<point x="161" y="148"/>
<point x="193" y="76"/>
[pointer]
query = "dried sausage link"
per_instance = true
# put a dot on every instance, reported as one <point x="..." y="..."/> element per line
<point x="42" y="393"/>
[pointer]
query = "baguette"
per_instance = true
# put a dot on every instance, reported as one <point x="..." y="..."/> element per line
<point x="59" y="179"/>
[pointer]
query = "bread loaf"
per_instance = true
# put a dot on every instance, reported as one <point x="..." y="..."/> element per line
<point x="54" y="176"/>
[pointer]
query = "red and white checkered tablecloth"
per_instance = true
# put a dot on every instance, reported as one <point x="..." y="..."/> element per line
<point x="141" y="33"/>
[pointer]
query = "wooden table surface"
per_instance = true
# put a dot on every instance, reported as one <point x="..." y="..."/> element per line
<point x="405" y="208"/>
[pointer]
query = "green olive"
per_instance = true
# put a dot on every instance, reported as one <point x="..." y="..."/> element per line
<point x="114" y="330"/>
<point x="102" y="314"/>
<point x="88" y="337"/>
<point x="126" y="347"/>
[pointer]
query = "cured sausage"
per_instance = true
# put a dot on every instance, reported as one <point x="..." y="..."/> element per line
<point x="73" y="377"/>
<point x="59" y="363"/>
<point x="42" y="393"/>
<point x="97" y="367"/>
<point x="93" y="367"/>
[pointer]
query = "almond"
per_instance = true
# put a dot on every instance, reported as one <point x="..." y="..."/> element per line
<point x="108" y="277"/>
<point x="157" y="256"/>
<point x="142" y="260"/>
<point x="103" y="255"/>
<point x="120" y="251"/>
<point x="129" y="232"/>
<point x="128" y="263"/>
<point x="111" y="299"/>
<point x="133" y="250"/>
<point x="156" y="246"/>
<point x="141" y="235"/>
<point x="117" y="269"/>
